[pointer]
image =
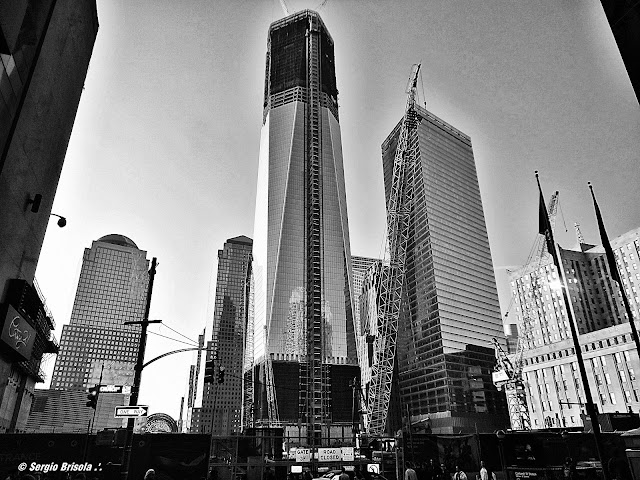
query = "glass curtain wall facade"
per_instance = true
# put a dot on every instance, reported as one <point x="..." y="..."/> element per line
<point x="222" y="401"/>
<point x="450" y="311"/>
<point x="112" y="289"/>
<point x="304" y="324"/>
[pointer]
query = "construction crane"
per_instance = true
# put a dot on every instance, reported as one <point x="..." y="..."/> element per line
<point x="287" y="12"/>
<point x="392" y="278"/>
<point x="508" y="372"/>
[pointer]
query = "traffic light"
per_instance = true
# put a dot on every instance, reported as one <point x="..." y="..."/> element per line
<point x="221" y="375"/>
<point x="93" y="397"/>
<point x="208" y="372"/>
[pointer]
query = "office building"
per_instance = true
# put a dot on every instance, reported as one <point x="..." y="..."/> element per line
<point x="96" y="343"/>
<point x="45" y="49"/>
<point x="624" y="20"/>
<point x="304" y="325"/>
<point x="64" y="411"/>
<point x="192" y="394"/>
<point x="554" y="389"/>
<point x="450" y="312"/>
<point x="222" y="398"/>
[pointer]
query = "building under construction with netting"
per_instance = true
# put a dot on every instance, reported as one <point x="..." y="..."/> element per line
<point x="301" y="346"/>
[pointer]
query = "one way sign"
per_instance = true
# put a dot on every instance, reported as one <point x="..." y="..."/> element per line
<point x="132" y="411"/>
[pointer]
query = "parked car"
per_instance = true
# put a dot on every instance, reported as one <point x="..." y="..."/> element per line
<point x="329" y="475"/>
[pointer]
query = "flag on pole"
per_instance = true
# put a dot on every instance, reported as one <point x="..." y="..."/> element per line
<point x="544" y="227"/>
<point x="611" y="259"/>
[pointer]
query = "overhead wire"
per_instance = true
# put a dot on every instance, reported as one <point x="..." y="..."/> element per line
<point x="174" y="339"/>
<point x="174" y="330"/>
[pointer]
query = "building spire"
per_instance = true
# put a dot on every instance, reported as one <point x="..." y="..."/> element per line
<point x="579" y="233"/>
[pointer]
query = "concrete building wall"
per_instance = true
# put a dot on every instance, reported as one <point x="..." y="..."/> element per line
<point x="45" y="50"/>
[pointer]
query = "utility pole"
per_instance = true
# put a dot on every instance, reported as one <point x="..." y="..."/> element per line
<point x="135" y="389"/>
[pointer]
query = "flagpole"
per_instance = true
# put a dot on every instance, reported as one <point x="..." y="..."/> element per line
<point x="589" y="405"/>
<point x="614" y="272"/>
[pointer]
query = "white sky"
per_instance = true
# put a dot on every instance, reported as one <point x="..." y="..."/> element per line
<point x="165" y="144"/>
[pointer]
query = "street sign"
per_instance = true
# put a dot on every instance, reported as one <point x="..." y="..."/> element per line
<point x="373" y="468"/>
<point x="126" y="389"/>
<point x="303" y="455"/>
<point x="111" y="388"/>
<point x="132" y="411"/>
<point x="329" y="454"/>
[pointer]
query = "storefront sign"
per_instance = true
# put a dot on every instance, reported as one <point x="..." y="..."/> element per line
<point x="17" y="333"/>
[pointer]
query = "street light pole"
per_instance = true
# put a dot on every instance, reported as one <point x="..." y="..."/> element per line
<point x="135" y="389"/>
<point x="500" y="434"/>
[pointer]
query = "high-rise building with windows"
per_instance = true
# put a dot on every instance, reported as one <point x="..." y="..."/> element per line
<point x="96" y="343"/>
<point x="553" y="386"/>
<point x="221" y="411"/>
<point x="303" y="326"/>
<point x="450" y="311"/>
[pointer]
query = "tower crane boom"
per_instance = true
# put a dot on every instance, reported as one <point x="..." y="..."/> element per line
<point x="392" y="276"/>
<point x="508" y="372"/>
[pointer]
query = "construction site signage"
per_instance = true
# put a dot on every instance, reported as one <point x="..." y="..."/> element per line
<point x="303" y="455"/>
<point x="347" y="454"/>
<point x="329" y="454"/>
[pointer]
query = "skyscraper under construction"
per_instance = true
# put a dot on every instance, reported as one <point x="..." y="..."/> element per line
<point x="303" y="344"/>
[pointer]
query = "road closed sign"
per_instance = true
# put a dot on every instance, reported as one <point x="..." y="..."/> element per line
<point x="329" y="454"/>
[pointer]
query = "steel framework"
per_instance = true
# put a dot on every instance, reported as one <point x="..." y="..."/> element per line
<point x="392" y="278"/>
<point x="508" y="373"/>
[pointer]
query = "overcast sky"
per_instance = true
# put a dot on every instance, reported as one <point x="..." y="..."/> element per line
<point x="165" y="145"/>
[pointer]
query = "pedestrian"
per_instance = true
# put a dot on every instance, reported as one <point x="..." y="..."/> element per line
<point x="268" y="474"/>
<point x="569" y="469"/>
<point x="445" y="473"/>
<point x="435" y="472"/>
<point x="486" y="474"/>
<point x="410" y="474"/>
<point x="459" y="475"/>
<point x="344" y="475"/>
